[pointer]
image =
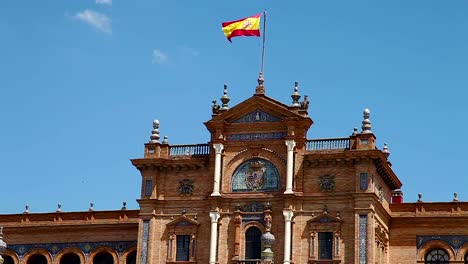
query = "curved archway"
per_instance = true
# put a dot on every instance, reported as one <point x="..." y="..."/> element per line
<point x="131" y="257"/>
<point x="103" y="257"/>
<point x="437" y="256"/>
<point x="8" y="260"/>
<point x="70" y="258"/>
<point x="37" y="259"/>
<point x="253" y="243"/>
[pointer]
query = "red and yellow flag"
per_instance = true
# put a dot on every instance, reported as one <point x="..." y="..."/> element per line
<point x="249" y="26"/>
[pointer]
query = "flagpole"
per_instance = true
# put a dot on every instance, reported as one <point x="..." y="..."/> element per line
<point x="263" y="46"/>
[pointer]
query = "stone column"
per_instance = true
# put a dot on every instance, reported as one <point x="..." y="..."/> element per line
<point x="288" y="215"/>
<point x="217" y="170"/>
<point x="214" y="215"/>
<point x="237" y="230"/>
<point x="290" y="165"/>
<point x="3" y="245"/>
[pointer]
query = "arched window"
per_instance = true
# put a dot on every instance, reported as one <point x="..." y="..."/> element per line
<point x="437" y="256"/>
<point x="37" y="259"/>
<point x="8" y="260"/>
<point x="103" y="258"/>
<point x="131" y="258"/>
<point x="70" y="258"/>
<point x="253" y="243"/>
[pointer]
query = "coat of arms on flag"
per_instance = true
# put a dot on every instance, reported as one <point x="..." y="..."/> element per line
<point x="255" y="175"/>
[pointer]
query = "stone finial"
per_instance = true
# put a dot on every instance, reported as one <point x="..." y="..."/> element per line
<point x="3" y="245"/>
<point x="26" y="209"/>
<point x="260" y="89"/>
<point x="305" y="103"/>
<point x="455" y="197"/>
<point x="184" y="211"/>
<point x="419" y="197"/>
<point x="155" y="133"/>
<point x="295" y="96"/>
<point x="165" y="141"/>
<point x="91" y="207"/>
<point x="355" y="131"/>
<point x="215" y="107"/>
<point x="260" y="79"/>
<point x="366" y="123"/>
<point x="385" y="150"/>
<point x="59" y="208"/>
<point x="124" y="205"/>
<point x="225" y="99"/>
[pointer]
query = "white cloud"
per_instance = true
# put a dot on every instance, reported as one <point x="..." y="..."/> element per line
<point x="95" y="19"/>
<point x="159" y="56"/>
<point x="104" y="2"/>
<point x="188" y="51"/>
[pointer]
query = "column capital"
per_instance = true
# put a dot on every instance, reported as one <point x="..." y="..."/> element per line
<point x="214" y="215"/>
<point x="218" y="148"/>
<point x="288" y="215"/>
<point x="290" y="143"/>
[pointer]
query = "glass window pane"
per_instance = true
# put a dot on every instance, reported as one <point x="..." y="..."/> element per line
<point x="183" y="245"/>
<point x="325" y="245"/>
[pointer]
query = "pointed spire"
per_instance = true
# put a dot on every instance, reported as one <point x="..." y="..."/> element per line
<point x="296" y="96"/>
<point x="225" y="99"/>
<point x="366" y="123"/>
<point x="155" y="133"/>
<point x="260" y="89"/>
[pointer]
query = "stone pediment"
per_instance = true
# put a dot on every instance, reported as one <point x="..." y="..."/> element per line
<point x="183" y="221"/>
<point x="325" y="218"/>
<point x="257" y="109"/>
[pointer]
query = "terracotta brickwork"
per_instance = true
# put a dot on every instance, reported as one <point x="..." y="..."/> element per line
<point x="339" y="208"/>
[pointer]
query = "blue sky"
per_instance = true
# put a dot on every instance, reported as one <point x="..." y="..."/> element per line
<point x="81" y="82"/>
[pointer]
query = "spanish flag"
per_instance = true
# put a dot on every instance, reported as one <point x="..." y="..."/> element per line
<point x="249" y="26"/>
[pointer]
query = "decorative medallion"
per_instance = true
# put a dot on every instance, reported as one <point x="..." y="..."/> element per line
<point x="327" y="183"/>
<point x="186" y="186"/>
<point x="255" y="175"/>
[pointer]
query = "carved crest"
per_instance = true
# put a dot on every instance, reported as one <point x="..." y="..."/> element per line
<point x="327" y="183"/>
<point x="186" y="186"/>
<point x="254" y="177"/>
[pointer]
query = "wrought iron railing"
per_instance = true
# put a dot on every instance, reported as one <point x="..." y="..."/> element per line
<point x="189" y="150"/>
<point x="250" y="261"/>
<point x="327" y="143"/>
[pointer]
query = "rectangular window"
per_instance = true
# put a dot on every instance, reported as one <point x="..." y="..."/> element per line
<point x="363" y="181"/>
<point x="325" y="245"/>
<point x="183" y="248"/>
<point x="148" y="187"/>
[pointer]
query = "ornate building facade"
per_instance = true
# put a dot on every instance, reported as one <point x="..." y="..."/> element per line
<point x="258" y="192"/>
